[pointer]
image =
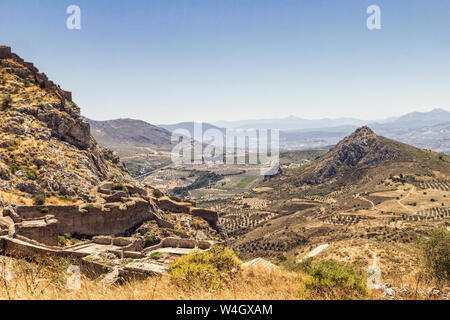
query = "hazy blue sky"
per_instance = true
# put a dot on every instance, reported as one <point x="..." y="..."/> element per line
<point x="167" y="61"/>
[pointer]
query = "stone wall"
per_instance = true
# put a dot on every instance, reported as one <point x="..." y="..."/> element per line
<point x="45" y="230"/>
<point x="5" y="52"/>
<point x="94" y="221"/>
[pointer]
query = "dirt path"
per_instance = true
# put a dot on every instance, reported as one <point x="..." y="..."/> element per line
<point x="365" y="199"/>
<point x="407" y="196"/>
<point x="315" y="252"/>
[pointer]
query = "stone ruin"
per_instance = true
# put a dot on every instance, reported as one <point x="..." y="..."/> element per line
<point x="6" y="53"/>
<point x="110" y="227"/>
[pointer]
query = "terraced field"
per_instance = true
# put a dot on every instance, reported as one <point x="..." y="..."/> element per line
<point x="344" y="220"/>
<point x="442" y="185"/>
<point x="238" y="223"/>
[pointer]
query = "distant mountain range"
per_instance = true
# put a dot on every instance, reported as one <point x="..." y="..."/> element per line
<point x="428" y="130"/>
<point x="189" y="126"/>
<point x="410" y="120"/>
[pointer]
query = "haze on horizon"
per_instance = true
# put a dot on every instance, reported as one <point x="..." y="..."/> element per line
<point x="209" y="60"/>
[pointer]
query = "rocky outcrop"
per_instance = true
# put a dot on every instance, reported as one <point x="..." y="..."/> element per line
<point x="362" y="148"/>
<point x="46" y="146"/>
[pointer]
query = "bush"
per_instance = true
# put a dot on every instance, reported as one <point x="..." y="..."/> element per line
<point x="120" y="187"/>
<point x="26" y="83"/>
<point x="329" y="279"/>
<point x="205" y="269"/>
<point x="62" y="241"/>
<point x="435" y="251"/>
<point x="156" y="255"/>
<point x="150" y="240"/>
<point x="31" y="173"/>
<point x="42" y="84"/>
<point x="44" y="210"/>
<point x="157" y="194"/>
<point x="39" y="200"/>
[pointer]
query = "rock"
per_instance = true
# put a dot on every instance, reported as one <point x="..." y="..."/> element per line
<point x="30" y="187"/>
<point x="4" y="174"/>
<point x="116" y="197"/>
<point x="434" y="291"/>
<point x="390" y="291"/>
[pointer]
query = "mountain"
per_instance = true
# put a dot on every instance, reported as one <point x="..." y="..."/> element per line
<point x="367" y="191"/>
<point x="128" y="131"/>
<point x="418" y="120"/>
<point x="363" y="151"/>
<point x="142" y="146"/>
<point x="410" y="120"/>
<point x="46" y="146"/>
<point x="289" y="123"/>
<point x="189" y="126"/>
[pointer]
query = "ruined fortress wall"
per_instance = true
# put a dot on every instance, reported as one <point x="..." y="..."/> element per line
<point x="171" y="206"/>
<point x="5" y="52"/>
<point x="92" y="221"/>
<point x="45" y="231"/>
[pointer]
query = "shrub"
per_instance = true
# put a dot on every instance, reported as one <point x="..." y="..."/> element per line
<point x="44" y="210"/>
<point x="329" y="279"/>
<point x="150" y="240"/>
<point x="120" y="187"/>
<point x="156" y="255"/>
<point x="39" y="200"/>
<point x="435" y="251"/>
<point x="157" y="194"/>
<point x="205" y="269"/>
<point x="26" y="83"/>
<point x="42" y="84"/>
<point x="62" y="241"/>
<point x="31" y="173"/>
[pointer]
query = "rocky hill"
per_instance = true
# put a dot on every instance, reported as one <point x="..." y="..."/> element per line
<point x="142" y="146"/>
<point x="364" y="151"/>
<point x="46" y="147"/>
<point x="128" y="131"/>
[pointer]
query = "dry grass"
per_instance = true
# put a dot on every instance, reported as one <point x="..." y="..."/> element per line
<point x="41" y="282"/>
<point x="47" y="280"/>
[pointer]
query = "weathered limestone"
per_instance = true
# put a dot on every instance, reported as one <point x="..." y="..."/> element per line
<point x="46" y="230"/>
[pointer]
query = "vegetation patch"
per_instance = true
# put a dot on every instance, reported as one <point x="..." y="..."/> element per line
<point x="210" y="269"/>
<point x="436" y="255"/>
<point x="329" y="279"/>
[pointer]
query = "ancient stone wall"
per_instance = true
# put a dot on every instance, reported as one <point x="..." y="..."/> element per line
<point x="5" y="52"/>
<point x="45" y="230"/>
<point x="94" y="221"/>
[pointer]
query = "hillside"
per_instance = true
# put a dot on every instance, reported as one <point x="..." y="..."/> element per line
<point x="142" y="146"/>
<point x="363" y="151"/>
<point x="45" y="145"/>
<point x="367" y="191"/>
<point x="129" y="131"/>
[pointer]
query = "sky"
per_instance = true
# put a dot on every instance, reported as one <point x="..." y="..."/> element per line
<point x="168" y="61"/>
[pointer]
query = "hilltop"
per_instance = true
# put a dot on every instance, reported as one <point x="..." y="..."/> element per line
<point x="45" y="144"/>
<point x="360" y="156"/>
<point x="142" y="146"/>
